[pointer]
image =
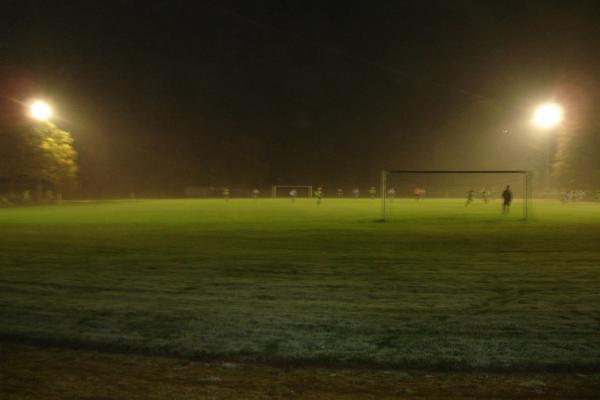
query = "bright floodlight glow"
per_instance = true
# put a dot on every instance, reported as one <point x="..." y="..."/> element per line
<point x="41" y="110"/>
<point x="548" y="115"/>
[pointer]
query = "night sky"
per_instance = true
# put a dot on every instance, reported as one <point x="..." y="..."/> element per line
<point x="159" y="95"/>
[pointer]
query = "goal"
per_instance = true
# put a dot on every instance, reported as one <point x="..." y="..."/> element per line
<point x="284" y="190"/>
<point x="454" y="186"/>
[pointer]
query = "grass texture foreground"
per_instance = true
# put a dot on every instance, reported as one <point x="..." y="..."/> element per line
<point x="439" y="285"/>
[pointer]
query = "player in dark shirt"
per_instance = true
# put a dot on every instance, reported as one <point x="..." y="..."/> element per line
<point x="507" y="197"/>
<point x="470" y="197"/>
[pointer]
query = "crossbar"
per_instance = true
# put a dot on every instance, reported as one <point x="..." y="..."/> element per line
<point x="502" y="171"/>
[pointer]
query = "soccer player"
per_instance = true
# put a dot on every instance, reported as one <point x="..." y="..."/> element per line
<point x="572" y="196"/>
<point x="340" y="193"/>
<point x="470" y="197"/>
<point x="418" y="191"/>
<point x="255" y="193"/>
<point x="564" y="197"/>
<point x="507" y="197"/>
<point x="485" y="195"/>
<point x="293" y="194"/>
<point x="356" y="193"/>
<point x="372" y="192"/>
<point x="391" y="193"/>
<point x="319" y="194"/>
<point x="226" y="193"/>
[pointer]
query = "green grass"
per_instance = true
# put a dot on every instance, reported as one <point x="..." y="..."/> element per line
<point x="439" y="285"/>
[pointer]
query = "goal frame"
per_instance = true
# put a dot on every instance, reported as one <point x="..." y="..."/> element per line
<point x="526" y="175"/>
<point x="275" y="187"/>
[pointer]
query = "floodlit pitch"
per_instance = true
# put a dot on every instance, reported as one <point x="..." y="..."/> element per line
<point x="439" y="285"/>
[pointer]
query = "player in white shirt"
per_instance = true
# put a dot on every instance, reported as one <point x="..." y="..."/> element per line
<point x="391" y="193"/>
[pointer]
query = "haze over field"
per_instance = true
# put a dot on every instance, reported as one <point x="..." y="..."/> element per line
<point x="243" y="94"/>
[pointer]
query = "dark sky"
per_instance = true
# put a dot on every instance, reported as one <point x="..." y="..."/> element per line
<point x="163" y="94"/>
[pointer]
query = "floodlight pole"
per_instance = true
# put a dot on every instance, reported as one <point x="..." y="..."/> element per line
<point x="548" y="116"/>
<point x="528" y="194"/>
<point x="525" y="194"/>
<point x="549" y="163"/>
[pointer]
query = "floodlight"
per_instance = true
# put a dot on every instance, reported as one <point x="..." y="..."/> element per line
<point x="40" y="110"/>
<point x="548" y="115"/>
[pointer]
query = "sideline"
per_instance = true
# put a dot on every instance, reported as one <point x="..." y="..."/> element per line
<point x="28" y="372"/>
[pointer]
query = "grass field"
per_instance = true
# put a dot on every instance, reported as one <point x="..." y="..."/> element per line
<point x="438" y="286"/>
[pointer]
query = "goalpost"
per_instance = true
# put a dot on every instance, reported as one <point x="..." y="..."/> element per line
<point x="303" y="190"/>
<point x="525" y="190"/>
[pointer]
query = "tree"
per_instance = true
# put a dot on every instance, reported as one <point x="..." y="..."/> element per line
<point x="37" y="152"/>
<point x="577" y="164"/>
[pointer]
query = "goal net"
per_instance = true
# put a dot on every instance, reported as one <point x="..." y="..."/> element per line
<point x="446" y="193"/>
<point x="284" y="191"/>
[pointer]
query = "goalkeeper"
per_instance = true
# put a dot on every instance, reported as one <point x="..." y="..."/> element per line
<point x="507" y="196"/>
